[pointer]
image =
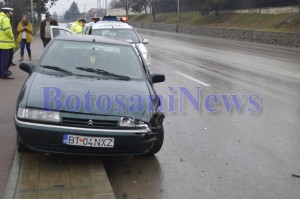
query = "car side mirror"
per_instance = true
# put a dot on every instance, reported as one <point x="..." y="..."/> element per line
<point x="156" y="78"/>
<point x="145" y="41"/>
<point x="26" y="66"/>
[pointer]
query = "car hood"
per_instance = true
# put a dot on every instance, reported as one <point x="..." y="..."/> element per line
<point x="92" y="96"/>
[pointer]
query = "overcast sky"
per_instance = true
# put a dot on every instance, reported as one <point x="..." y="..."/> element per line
<point x="84" y="5"/>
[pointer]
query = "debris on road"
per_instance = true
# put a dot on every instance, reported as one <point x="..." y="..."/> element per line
<point x="124" y="196"/>
<point x="296" y="175"/>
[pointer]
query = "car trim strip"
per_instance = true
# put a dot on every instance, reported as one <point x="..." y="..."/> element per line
<point x="140" y="131"/>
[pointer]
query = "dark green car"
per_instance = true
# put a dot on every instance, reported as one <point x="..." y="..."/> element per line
<point x="89" y="95"/>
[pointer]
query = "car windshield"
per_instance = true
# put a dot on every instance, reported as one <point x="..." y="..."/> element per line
<point x="120" y="34"/>
<point x="87" y="59"/>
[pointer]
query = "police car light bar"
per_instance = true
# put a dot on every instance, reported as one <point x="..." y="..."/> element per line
<point x="110" y="18"/>
<point x="95" y="19"/>
<point x="124" y="19"/>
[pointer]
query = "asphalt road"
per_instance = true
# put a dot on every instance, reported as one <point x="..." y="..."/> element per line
<point x="211" y="151"/>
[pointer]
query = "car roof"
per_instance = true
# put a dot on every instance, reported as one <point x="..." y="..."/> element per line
<point x="91" y="38"/>
<point x="110" y="24"/>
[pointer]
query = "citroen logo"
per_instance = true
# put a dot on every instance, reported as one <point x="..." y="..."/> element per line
<point x="90" y="123"/>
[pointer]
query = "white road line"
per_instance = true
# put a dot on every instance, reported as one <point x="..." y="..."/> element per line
<point x="291" y="74"/>
<point x="273" y="70"/>
<point x="193" y="79"/>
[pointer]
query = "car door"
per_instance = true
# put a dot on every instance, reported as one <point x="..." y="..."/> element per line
<point x="60" y="30"/>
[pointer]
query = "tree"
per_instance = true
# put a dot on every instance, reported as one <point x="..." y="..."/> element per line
<point x="217" y="5"/>
<point x="55" y="16"/>
<point x="139" y="5"/>
<point x="153" y="6"/>
<point x="116" y="4"/>
<point x="274" y="3"/>
<point x="126" y="4"/>
<point x="238" y="4"/>
<point x="204" y="7"/>
<point x="67" y="16"/>
<point x="74" y="11"/>
<point x="211" y="5"/>
<point x="167" y="5"/>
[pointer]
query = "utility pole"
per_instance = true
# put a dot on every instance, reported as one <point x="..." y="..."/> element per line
<point x="106" y="7"/>
<point x="178" y="15"/>
<point x="32" y="16"/>
<point x="127" y="9"/>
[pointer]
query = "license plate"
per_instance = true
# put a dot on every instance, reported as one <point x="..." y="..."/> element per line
<point x="76" y="140"/>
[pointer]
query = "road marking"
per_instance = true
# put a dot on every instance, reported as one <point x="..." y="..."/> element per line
<point x="239" y="61"/>
<point x="273" y="70"/>
<point x="193" y="79"/>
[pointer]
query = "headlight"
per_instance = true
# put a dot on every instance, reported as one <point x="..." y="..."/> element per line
<point x="38" y="114"/>
<point x="130" y="122"/>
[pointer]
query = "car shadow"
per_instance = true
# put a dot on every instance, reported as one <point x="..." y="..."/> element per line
<point x="135" y="176"/>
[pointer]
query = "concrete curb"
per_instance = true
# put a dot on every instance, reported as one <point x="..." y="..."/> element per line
<point x="13" y="177"/>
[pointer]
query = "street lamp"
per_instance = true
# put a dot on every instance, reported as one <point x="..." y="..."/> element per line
<point x="178" y="15"/>
<point x="32" y="18"/>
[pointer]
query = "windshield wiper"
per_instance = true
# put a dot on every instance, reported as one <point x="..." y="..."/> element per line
<point x="57" y="69"/>
<point x="104" y="73"/>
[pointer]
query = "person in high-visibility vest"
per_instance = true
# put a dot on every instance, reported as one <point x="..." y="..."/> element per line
<point x="77" y="26"/>
<point x="6" y="42"/>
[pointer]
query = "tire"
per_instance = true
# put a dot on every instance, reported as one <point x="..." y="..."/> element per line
<point x="21" y="147"/>
<point x="158" y="144"/>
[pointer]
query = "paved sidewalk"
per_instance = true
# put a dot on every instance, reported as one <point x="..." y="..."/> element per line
<point x="9" y="91"/>
<point x="42" y="176"/>
<point x="38" y="175"/>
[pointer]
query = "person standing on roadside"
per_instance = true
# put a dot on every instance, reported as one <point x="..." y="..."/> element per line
<point x="6" y="42"/>
<point x="45" y="28"/>
<point x="77" y="26"/>
<point x="25" y="36"/>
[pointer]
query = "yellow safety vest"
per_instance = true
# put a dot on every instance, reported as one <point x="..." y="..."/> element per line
<point x="6" y="33"/>
<point x="76" y="27"/>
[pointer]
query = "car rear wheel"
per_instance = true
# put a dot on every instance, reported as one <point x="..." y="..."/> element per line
<point x="158" y="144"/>
<point x="21" y="147"/>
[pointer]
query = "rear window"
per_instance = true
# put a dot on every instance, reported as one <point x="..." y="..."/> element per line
<point x="128" y="35"/>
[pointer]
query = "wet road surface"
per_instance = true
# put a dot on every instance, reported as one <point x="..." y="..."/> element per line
<point x="250" y="152"/>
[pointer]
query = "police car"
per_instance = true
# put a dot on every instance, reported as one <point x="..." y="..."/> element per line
<point x="117" y="29"/>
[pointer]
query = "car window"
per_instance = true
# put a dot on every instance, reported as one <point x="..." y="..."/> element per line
<point x="71" y="55"/>
<point x="58" y="31"/>
<point x="120" y="34"/>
